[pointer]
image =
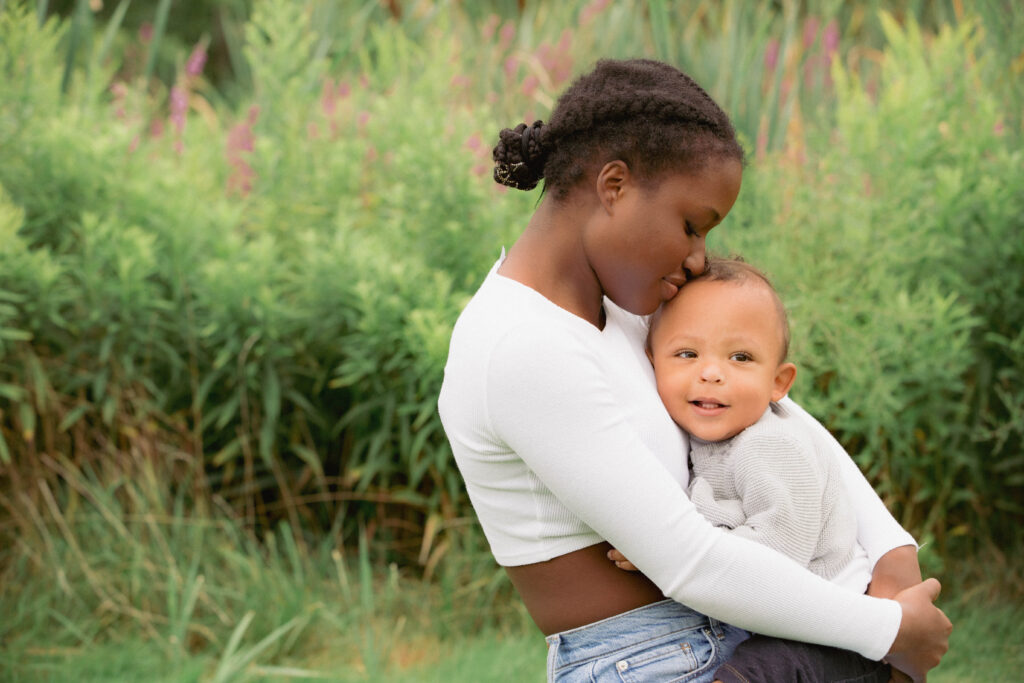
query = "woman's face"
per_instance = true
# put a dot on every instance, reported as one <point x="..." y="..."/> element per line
<point x="649" y="237"/>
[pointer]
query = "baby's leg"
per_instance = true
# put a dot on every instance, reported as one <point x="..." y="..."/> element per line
<point x="763" y="659"/>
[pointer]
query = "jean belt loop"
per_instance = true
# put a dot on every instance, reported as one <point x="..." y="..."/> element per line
<point x="716" y="628"/>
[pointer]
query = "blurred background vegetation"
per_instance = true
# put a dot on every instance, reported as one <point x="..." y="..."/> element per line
<point x="234" y="237"/>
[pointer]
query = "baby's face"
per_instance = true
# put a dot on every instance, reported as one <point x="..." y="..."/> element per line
<point x="716" y="352"/>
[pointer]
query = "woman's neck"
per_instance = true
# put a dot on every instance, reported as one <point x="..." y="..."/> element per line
<point x="549" y="258"/>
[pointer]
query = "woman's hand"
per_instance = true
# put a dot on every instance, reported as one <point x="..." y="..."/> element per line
<point x="924" y="631"/>
<point x="620" y="561"/>
<point x="894" y="571"/>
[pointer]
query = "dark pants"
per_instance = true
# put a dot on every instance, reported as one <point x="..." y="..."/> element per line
<point x="762" y="659"/>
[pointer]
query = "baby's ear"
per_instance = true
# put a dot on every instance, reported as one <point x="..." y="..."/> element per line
<point x="784" y="376"/>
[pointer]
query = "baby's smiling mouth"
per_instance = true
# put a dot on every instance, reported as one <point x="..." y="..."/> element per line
<point x="708" y="405"/>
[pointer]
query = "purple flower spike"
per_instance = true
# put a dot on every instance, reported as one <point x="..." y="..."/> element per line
<point x="771" y="55"/>
<point x="196" y="60"/>
<point x="179" y="107"/>
<point x="810" y="31"/>
<point x="830" y="38"/>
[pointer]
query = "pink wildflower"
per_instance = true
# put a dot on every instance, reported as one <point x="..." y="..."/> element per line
<point x="146" y="32"/>
<point x="490" y="25"/>
<point x="546" y="56"/>
<point x="240" y="142"/>
<point x="120" y="92"/>
<point x="507" y="35"/>
<point x="511" y="67"/>
<point x="461" y="81"/>
<point x="810" y="31"/>
<point x="344" y="90"/>
<point x="328" y="97"/>
<point x="762" y="142"/>
<point x="179" y="107"/>
<point x="474" y="142"/>
<point x="591" y="10"/>
<point x="830" y="39"/>
<point x="771" y="56"/>
<point x="530" y="84"/>
<point x="363" y="119"/>
<point x="196" y="60"/>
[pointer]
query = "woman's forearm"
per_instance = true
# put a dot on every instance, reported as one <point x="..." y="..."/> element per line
<point x="894" y="571"/>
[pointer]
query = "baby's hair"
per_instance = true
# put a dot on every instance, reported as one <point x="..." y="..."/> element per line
<point x="646" y="113"/>
<point x="735" y="269"/>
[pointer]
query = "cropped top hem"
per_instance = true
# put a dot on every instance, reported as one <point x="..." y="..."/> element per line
<point x="548" y="552"/>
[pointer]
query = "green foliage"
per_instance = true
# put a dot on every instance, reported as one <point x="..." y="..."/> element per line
<point x="262" y="293"/>
<point x="898" y="251"/>
<point x="223" y="327"/>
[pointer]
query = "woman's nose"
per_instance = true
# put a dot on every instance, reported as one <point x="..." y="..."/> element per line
<point x="697" y="259"/>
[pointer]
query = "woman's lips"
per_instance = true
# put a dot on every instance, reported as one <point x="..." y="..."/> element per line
<point x="668" y="290"/>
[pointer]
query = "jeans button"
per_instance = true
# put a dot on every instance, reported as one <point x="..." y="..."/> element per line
<point x="622" y="665"/>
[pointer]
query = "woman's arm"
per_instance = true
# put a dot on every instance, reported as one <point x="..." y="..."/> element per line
<point x="877" y="530"/>
<point x="892" y="553"/>
<point x="553" y="407"/>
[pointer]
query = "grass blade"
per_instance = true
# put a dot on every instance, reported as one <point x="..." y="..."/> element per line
<point x="159" y="26"/>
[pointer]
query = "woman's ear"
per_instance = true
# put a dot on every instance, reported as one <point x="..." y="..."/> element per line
<point x="784" y="376"/>
<point x="612" y="180"/>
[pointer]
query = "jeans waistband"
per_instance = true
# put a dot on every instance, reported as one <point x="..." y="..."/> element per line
<point x="622" y="630"/>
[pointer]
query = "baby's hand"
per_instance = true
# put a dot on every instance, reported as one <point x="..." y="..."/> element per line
<point x="620" y="561"/>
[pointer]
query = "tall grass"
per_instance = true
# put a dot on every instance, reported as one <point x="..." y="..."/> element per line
<point x="112" y="558"/>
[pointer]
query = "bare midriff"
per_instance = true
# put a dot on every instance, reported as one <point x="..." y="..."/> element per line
<point x="580" y="588"/>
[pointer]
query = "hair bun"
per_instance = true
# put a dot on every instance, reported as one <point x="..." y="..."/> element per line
<point x="520" y="155"/>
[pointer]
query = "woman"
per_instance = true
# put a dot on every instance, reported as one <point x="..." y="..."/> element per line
<point x="551" y="409"/>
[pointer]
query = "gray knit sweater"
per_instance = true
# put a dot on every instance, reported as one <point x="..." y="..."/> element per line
<point x="774" y="483"/>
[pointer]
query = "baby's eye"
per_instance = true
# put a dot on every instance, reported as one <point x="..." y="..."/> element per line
<point x="741" y="357"/>
<point x="686" y="353"/>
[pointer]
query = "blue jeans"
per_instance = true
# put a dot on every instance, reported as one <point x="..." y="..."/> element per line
<point x="663" y="641"/>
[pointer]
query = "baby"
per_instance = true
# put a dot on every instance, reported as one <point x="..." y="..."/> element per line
<point x="719" y="355"/>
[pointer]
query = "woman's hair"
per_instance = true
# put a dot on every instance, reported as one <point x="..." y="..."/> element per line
<point x="646" y="113"/>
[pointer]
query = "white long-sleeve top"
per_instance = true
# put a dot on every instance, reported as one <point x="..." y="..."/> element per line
<point x="559" y="433"/>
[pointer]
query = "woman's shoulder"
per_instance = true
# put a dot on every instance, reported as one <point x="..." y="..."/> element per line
<point x="503" y="307"/>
